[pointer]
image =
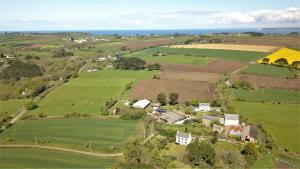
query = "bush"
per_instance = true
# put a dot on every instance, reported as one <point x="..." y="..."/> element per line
<point x="30" y="105"/>
<point x="130" y="64"/>
<point x="173" y="98"/>
<point x="251" y="153"/>
<point x="133" y="114"/>
<point x="162" y="99"/>
<point x="201" y="151"/>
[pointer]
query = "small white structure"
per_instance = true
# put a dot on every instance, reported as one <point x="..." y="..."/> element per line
<point x="183" y="138"/>
<point x="155" y="106"/>
<point x="205" y="107"/>
<point x="231" y="120"/>
<point x="141" y="104"/>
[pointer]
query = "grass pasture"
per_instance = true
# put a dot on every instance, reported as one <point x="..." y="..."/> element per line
<point x="280" y="120"/>
<point x="73" y="133"/>
<point x="266" y="95"/>
<point x="245" y="56"/>
<point x="89" y="92"/>
<point x="37" y="158"/>
<point x="268" y="70"/>
<point x="12" y="106"/>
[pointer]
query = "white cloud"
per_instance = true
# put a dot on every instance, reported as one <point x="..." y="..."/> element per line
<point x="165" y="20"/>
<point x="280" y="18"/>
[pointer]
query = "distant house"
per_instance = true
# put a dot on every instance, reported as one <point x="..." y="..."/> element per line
<point x="231" y="120"/>
<point x="228" y="83"/>
<point x="235" y="131"/>
<point x="218" y="128"/>
<point x="207" y="119"/>
<point x="205" y="107"/>
<point x="249" y="134"/>
<point x="183" y="138"/>
<point x="172" y="117"/>
<point x="141" y="104"/>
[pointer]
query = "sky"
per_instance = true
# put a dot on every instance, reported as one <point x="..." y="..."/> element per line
<point x="147" y="14"/>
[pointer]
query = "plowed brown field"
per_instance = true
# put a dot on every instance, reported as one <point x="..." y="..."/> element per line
<point x="190" y="76"/>
<point x="269" y="82"/>
<point x="187" y="90"/>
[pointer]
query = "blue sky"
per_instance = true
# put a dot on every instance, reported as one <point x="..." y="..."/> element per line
<point x="147" y="14"/>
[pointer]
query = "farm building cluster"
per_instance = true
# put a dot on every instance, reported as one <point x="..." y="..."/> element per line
<point x="227" y="126"/>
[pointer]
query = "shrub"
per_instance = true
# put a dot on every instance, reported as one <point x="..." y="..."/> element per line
<point x="30" y="105"/>
<point x="133" y="114"/>
<point x="173" y="98"/>
<point x="162" y="99"/>
<point x="130" y="64"/>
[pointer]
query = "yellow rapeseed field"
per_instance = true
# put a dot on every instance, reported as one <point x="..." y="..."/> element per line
<point x="289" y="54"/>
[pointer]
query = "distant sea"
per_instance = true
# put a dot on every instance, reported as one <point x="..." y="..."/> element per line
<point x="173" y="31"/>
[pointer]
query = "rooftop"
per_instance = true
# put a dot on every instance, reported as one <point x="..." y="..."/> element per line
<point x="182" y="134"/>
<point x="231" y="117"/>
<point x="172" y="117"/>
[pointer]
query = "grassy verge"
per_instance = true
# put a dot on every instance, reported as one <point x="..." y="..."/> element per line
<point x="268" y="70"/>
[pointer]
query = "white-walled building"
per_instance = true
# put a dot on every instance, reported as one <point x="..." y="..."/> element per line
<point x="205" y="107"/>
<point x="231" y="120"/>
<point x="183" y="138"/>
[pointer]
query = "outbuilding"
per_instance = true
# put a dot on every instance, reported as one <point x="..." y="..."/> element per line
<point x="249" y="134"/>
<point x="141" y="104"/>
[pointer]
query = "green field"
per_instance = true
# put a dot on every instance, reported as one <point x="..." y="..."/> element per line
<point x="266" y="95"/>
<point x="268" y="70"/>
<point x="37" y="158"/>
<point x="175" y="59"/>
<point x="207" y="53"/>
<point x="12" y="106"/>
<point x="280" y="120"/>
<point x="73" y="133"/>
<point x="89" y="92"/>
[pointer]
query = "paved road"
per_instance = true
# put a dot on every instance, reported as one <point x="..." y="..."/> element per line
<point x="62" y="149"/>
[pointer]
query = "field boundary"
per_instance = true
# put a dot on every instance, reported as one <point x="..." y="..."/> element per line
<point x="62" y="149"/>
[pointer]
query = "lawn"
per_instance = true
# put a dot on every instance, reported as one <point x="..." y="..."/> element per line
<point x="266" y="95"/>
<point x="268" y="70"/>
<point x="12" y="106"/>
<point x="280" y="120"/>
<point x="37" y="158"/>
<point x="104" y="134"/>
<point x="89" y="92"/>
<point x="208" y="53"/>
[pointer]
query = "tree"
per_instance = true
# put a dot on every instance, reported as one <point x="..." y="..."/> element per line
<point x="201" y="151"/>
<point x="2" y="55"/>
<point x="214" y="138"/>
<point x="251" y="153"/>
<point x="30" y="105"/>
<point x="130" y="63"/>
<point x="282" y="62"/>
<point x="173" y="98"/>
<point x="162" y="99"/>
<point x="296" y="64"/>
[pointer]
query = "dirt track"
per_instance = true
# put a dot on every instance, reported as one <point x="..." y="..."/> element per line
<point x="218" y="66"/>
<point x="256" y="48"/>
<point x="61" y="149"/>
<point x="269" y="82"/>
<point x="187" y="90"/>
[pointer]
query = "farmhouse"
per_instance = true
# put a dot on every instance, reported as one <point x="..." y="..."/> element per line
<point x="249" y="134"/>
<point x="183" y="138"/>
<point x="205" y="107"/>
<point x="231" y="120"/>
<point x="235" y="131"/>
<point x="172" y="117"/>
<point x="207" y="119"/>
<point x="141" y="104"/>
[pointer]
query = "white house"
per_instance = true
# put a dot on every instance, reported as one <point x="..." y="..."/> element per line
<point x="183" y="138"/>
<point x="231" y="120"/>
<point x="205" y="107"/>
<point x="141" y="104"/>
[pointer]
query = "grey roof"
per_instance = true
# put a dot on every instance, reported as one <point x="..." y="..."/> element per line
<point x="249" y="131"/>
<point x="231" y="117"/>
<point x="208" y="117"/>
<point x="172" y="117"/>
<point x="182" y="134"/>
<point x="204" y="104"/>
